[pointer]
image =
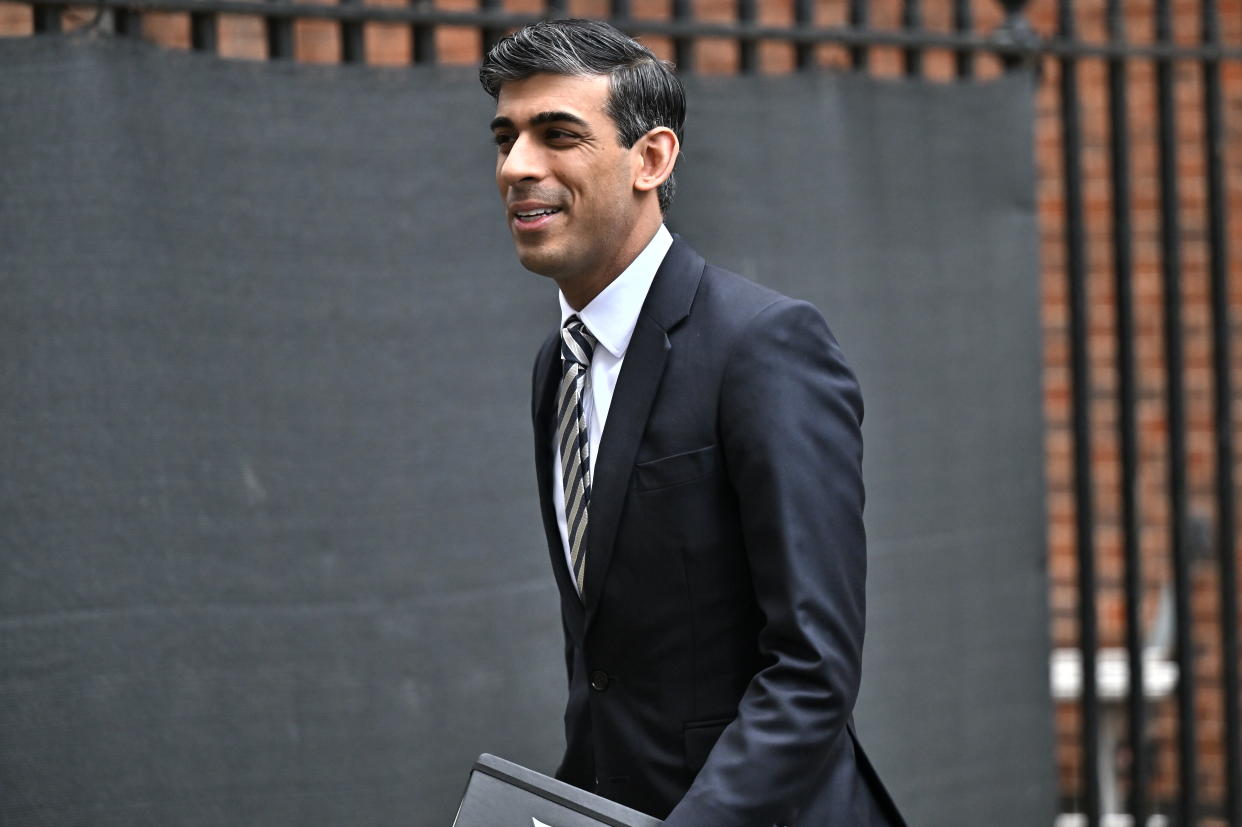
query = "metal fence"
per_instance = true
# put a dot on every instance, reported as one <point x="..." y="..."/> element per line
<point x="1130" y="677"/>
<point x="1141" y="654"/>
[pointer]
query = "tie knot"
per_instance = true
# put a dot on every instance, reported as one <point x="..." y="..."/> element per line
<point x="577" y="343"/>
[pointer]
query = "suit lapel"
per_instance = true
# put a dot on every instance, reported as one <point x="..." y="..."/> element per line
<point x="627" y="419"/>
<point x="667" y="303"/>
<point x="547" y="377"/>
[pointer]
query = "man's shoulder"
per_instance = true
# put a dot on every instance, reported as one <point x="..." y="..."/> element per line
<point x="734" y="290"/>
<point x="725" y="297"/>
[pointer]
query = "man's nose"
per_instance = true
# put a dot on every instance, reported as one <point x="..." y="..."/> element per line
<point x="524" y="162"/>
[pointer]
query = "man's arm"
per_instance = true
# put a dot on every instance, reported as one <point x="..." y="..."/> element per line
<point x="790" y="417"/>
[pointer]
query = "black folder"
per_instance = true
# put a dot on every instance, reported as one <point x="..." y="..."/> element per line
<point x="503" y="794"/>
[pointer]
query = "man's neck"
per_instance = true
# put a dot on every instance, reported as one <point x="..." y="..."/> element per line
<point x="579" y="292"/>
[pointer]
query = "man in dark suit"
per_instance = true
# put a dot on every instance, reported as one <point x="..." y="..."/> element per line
<point x="698" y="453"/>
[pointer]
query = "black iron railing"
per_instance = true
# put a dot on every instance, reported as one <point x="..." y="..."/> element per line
<point x="1014" y="40"/>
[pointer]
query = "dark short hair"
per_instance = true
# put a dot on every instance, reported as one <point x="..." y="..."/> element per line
<point x="644" y="91"/>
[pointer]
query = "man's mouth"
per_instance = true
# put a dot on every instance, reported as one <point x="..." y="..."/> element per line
<point x="533" y="218"/>
<point x="535" y="215"/>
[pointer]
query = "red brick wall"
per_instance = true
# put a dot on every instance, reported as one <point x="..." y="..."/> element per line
<point x="318" y="41"/>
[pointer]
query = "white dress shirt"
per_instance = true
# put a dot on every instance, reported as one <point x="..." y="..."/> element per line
<point x="611" y="317"/>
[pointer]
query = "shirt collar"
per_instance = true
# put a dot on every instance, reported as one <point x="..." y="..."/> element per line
<point x="612" y="315"/>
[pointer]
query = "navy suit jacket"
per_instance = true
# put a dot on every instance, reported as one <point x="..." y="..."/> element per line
<point x="714" y="659"/>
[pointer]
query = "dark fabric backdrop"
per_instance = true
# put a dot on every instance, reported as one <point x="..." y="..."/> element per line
<point x="269" y="543"/>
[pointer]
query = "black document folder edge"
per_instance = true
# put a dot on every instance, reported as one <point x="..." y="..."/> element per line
<point x="566" y="795"/>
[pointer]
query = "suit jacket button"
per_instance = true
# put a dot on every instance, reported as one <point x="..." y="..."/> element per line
<point x="599" y="680"/>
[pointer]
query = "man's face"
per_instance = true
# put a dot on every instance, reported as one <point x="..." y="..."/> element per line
<point x="566" y="181"/>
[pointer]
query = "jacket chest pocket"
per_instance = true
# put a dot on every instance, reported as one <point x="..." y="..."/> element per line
<point x="683" y="503"/>
<point x="676" y="470"/>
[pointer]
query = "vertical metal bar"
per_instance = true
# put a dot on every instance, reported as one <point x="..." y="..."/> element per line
<point x="963" y="23"/>
<point x="1218" y="264"/>
<point x="127" y="22"/>
<point x="491" y="34"/>
<point x="748" y="49"/>
<point x="912" y="20"/>
<point x="683" y="47"/>
<point x="203" y="31"/>
<point x="804" y="18"/>
<point x="47" y="19"/>
<point x="858" y="20"/>
<point x="353" y="39"/>
<point x="279" y="37"/>
<point x="1076" y="271"/>
<point x="422" y="39"/>
<point x="1123" y="273"/>
<point x="1170" y="253"/>
<point x="556" y="8"/>
<point x="1016" y="30"/>
<point x="620" y="9"/>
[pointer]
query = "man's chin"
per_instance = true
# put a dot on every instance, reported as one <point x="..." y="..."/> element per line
<point x="541" y="261"/>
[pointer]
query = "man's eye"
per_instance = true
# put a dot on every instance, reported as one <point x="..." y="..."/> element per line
<point x="502" y="140"/>
<point x="558" y="135"/>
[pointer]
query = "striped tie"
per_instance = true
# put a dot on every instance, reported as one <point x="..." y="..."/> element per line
<point x="573" y="439"/>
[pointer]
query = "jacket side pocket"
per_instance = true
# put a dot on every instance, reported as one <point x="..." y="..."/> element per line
<point x="700" y="737"/>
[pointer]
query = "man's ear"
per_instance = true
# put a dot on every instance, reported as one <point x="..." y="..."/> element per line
<point x="656" y="153"/>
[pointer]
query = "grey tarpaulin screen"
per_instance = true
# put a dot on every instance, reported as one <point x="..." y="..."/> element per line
<point x="269" y="548"/>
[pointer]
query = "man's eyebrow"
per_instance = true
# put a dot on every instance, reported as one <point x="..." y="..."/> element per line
<point x="501" y="122"/>
<point x="558" y="117"/>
